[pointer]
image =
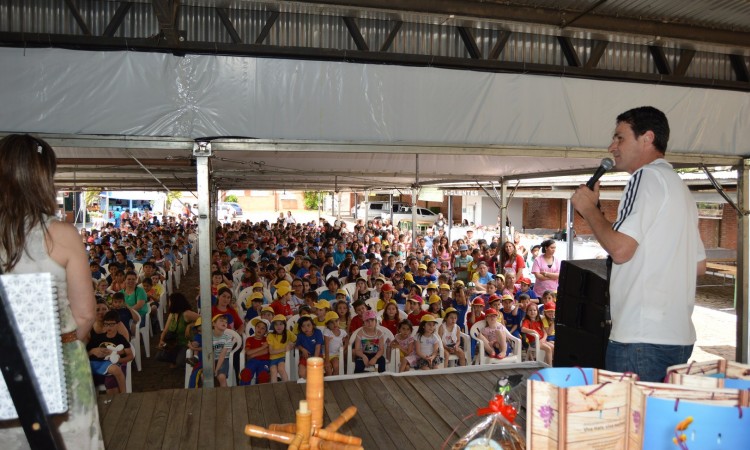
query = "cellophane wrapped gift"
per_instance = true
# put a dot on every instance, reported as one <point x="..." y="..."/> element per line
<point x="496" y="428"/>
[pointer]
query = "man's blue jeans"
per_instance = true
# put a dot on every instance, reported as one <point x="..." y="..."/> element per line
<point x="649" y="361"/>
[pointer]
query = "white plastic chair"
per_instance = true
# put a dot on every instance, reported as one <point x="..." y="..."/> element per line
<point x="535" y="352"/>
<point x="128" y="380"/>
<point x="482" y="358"/>
<point x="389" y="354"/>
<point x="440" y="343"/>
<point x="135" y="344"/>
<point x="351" y="288"/>
<point x="168" y="281"/>
<point x="177" y="277"/>
<point x="243" y="296"/>
<point x="145" y="332"/>
<point x="465" y="343"/>
<point x="188" y="367"/>
<point x="372" y="302"/>
<point x="291" y="322"/>
<point x="237" y="344"/>
<point x="321" y="289"/>
<point x="138" y="268"/>
<point x="335" y="273"/>
<point x="161" y="309"/>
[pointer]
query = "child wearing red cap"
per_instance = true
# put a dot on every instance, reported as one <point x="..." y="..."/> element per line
<point x="476" y="314"/>
<point x="414" y="310"/>
<point x="493" y="336"/>
<point x="533" y="323"/>
<point x="549" y="321"/>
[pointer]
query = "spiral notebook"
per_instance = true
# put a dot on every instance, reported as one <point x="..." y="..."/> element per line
<point x="33" y="299"/>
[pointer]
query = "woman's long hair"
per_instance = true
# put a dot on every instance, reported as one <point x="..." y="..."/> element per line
<point x="27" y="192"/>
<point x="505" y="257"/>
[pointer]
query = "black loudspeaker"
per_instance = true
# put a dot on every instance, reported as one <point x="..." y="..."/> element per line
<point x="582" y="320"/>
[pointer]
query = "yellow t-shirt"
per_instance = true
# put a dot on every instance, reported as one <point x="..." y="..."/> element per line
<point x="546" y="324"/>
<point x="276" y="348"/>
<point x="319" y="323"/>
<point x="158" y="289"/>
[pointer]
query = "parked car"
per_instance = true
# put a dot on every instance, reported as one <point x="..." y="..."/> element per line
<point x="376" y="209"/>
<point x="424" y="215"/>
<point x="236" y="207"/>
<point x="225" y="212"/>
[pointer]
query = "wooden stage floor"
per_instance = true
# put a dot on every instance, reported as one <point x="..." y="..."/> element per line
<point x="394" y="412"/>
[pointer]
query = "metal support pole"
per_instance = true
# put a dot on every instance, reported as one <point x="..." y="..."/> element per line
<point x="390" y="203"/>
<point x="742" y="287"/>
<point x="356" y="205"/>
<point x="503" y="213"/>
<point x="106" y="208"/>
<point x="569" y="230"/>
<point x="414" y="200"/>
<point x="414" y="195"/>
<point x="202" y="153"/>
<point x="367" y="208"/>
<point x="449" y="218"/>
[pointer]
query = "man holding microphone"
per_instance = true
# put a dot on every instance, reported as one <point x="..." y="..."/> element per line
<point x="655" y="248"/>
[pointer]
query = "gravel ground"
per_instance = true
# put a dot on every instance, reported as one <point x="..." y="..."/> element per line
<point x="715" y="319"/>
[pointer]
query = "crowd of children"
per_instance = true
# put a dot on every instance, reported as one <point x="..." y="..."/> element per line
<point x="322" y="290"/>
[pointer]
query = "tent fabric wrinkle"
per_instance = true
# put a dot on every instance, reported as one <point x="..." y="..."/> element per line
<point x="156" y="94"/>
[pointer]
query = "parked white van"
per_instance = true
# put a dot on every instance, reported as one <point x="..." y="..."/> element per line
<point x="377" y="209"/>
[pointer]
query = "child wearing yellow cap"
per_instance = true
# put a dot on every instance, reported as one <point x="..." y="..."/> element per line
<point x="222" y="345"/>
<point x="280" y="340"/>
<point x="335" y="338"/>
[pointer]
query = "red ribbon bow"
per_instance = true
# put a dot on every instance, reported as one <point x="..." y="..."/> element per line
<point x="497" y="405"/>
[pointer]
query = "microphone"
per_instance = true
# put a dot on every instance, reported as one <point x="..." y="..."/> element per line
<point x="604" y="166"/>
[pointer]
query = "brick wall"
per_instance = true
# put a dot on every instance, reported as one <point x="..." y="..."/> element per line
<point x="709" y="231"/>
<point x="728" y="228"/>
<point x="552" y="214"/>
<point x="543" y="213"/>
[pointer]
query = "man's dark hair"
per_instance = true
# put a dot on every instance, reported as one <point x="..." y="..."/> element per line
<point x="648" y="118"/>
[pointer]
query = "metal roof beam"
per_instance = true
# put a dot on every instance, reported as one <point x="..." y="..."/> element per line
<point x="266" y="30"/>
<point x="61" y="162"/>
<point x="660" y="60"/>
<point x="224" y="17"/>
<point x="571" y="56"/>
<point x="365" y="57"/>
<point x="391" y="36"/>
<point x="78" y="18"/>
<point x="470" y="42"/>
<point x="166" y="12"/>
<point x="356" y="35"/>
<point x="739" y="65"/>
<point x="117" y="19"/>
<point x="502" y="12"/>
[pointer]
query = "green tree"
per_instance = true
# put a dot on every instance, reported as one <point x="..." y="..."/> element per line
<point x="172" y="196"/>
<point x="90" y="197"/>
<point x="231" y="199"/>
<point x="312" y="199"/>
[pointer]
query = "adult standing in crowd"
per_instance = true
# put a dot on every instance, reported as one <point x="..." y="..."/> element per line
<point x="33" y="241"/>
<point x="655" y="247"/>
<point x="546" y="269"/>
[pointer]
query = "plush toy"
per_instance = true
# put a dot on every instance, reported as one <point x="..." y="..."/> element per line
<point x="114" y="356"/>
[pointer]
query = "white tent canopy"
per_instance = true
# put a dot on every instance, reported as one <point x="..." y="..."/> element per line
<point x="314" y="120"/>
